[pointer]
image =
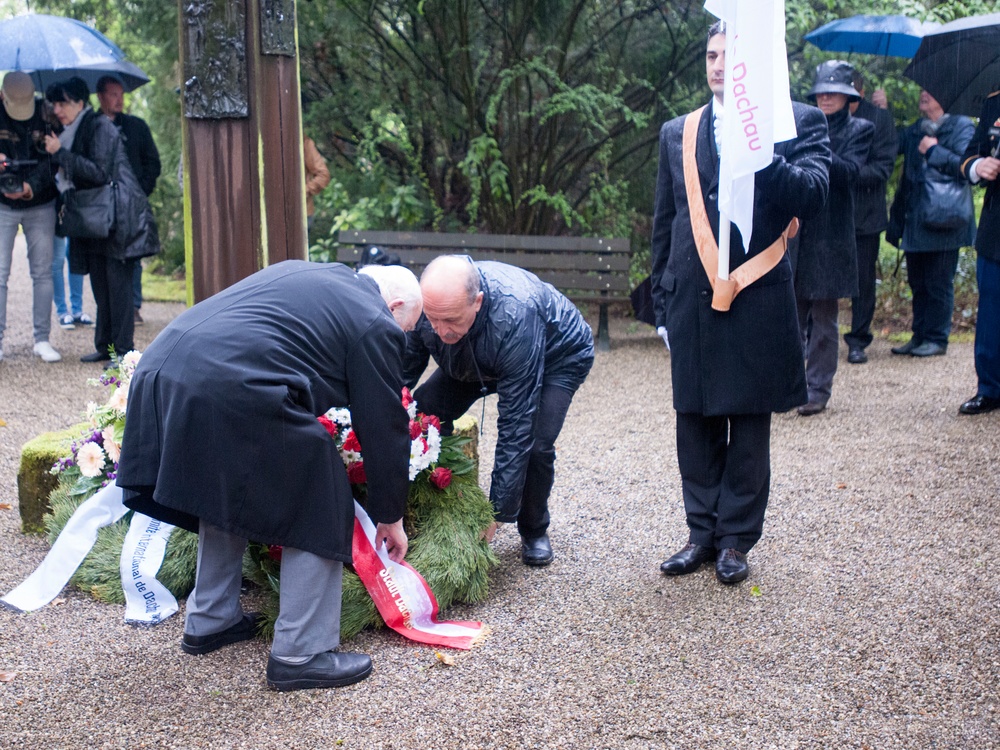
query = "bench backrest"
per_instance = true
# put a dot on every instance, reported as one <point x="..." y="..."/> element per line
<point x="583" y="268"/>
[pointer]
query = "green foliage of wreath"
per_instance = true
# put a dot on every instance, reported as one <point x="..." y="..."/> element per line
<point x="446" y="548"/>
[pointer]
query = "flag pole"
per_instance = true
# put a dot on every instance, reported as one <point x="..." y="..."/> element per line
<point x="724" y="228"/>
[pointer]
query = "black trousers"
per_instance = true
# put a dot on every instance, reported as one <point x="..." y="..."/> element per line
<point x="932" y="280"/>
<point x="725" y="465"/>
<point x="863" y="306"/>
<point x="111" y="281"/>
<point x="449" y="399"/>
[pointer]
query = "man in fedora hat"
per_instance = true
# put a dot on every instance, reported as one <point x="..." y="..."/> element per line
<point x="826" y="262"/>
<point x="27" y="200"/>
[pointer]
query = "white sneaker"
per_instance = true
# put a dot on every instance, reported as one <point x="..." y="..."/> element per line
<point x="44" y="350"/>
<point x="66" y="321"/>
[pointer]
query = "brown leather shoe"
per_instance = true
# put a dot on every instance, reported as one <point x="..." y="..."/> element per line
<point x="688" y="560"/>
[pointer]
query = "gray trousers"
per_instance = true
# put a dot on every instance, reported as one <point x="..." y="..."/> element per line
<point x="309" y="610"/>
<point x="818" y="320"/>
<point x="39" y="225"/>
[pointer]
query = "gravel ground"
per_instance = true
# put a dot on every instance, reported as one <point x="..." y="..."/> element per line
<point x="870" y="619"/>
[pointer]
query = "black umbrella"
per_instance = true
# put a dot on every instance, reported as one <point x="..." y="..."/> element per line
<point x="959" y="64"/>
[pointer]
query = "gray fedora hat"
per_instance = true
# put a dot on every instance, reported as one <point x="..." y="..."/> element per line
<point x="834" y="77"/>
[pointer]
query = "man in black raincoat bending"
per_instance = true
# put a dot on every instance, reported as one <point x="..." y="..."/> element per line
<point x="221" y="438"/>
<point x="494" y="328"/>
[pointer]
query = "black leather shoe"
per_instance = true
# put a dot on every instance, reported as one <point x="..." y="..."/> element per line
<point x="731" y="566"/>
<point x="96" y="357"/>
<point x="244" y="630"/>
<point x="928" y="349"/>
<point x="813" y="407"/>
<point x="327" y="670"/>
<point x="857" y="356"/>
<point x="688" y="560"/>
<point x="536" y="551"/>
<point x="979" y="405"/>
<point x="906" y="348"/>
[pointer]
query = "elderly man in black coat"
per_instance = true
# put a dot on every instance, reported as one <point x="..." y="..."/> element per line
<point x="871" y="217"/>
<point x="494" y="328"/>
<point x="826" y="267"/>
<point x="730" y="369"/>
<point x="222" y="438"/>
<point x="981" y="166"/>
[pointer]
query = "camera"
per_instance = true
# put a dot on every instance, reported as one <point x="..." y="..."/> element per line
<point x="12" y="178"/>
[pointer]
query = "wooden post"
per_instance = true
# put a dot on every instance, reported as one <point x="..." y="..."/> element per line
<point x="244" y="185"/>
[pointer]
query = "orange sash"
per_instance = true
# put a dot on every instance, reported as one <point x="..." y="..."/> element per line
<point x="723" y="290"/>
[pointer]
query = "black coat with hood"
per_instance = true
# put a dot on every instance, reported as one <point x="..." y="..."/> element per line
<point x="825" y="252"/>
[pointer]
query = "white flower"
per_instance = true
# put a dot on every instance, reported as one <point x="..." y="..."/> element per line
<point x="130" y="360"/>
<point x="433" y="443"/>
<point x="118" y="400"/>
<point x="90" y="458"/>
<point x="92" y="408"/>
<point x="412" y="409"/>
<point x="113" y="449"/>
<point x="340" y="417"/>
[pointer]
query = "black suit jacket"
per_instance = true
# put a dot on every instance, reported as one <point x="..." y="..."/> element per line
<point x="141" y="149"/>
<point x="870" y="210"/>
<point x="983" y="144"/>
<point x="748" y="360"/>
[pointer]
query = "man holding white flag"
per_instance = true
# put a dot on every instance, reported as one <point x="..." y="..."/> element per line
<point x="734" y="359"/>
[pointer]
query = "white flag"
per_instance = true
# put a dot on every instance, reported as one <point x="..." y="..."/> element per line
<point x="757" y="103"/>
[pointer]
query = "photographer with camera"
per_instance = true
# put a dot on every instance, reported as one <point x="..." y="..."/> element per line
<point x="27" y="200"/>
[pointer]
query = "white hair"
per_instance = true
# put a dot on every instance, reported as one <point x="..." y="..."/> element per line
<point x="397" y="282"/>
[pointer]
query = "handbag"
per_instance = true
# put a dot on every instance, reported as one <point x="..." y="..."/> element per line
<point x="86" y="213"/>
<point x="944" y="201"/>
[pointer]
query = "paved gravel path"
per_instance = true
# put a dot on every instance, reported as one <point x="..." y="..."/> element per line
<point x="871" y="618"/>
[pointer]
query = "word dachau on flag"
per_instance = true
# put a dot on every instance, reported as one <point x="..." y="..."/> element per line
<point x="757" y="103"/>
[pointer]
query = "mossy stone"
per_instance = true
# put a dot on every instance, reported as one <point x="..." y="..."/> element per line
<point x="35" y="481"/>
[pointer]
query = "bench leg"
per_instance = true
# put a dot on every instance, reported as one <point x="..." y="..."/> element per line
<point x="603" y="337"/>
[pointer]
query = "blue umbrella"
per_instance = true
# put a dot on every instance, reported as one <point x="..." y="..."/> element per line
<point x="893" y="36"/>
<point x="53" y="48"/>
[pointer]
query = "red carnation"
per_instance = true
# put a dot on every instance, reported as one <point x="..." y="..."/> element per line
<point x="430" y="419"/>
<point x="440" y="477"/>
<point x="329" y="426"/>
<point x="407" y="397"/>
<point x="415" y="429"/>
<point x="356" y="473"/>
<point x="351" y="443"/>
<point x="274" y="552"/>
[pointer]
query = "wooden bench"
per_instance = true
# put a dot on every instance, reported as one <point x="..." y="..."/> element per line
<point x="585" y="269"/>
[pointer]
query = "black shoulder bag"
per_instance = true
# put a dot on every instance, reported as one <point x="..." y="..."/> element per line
<point x="86" y="214"/>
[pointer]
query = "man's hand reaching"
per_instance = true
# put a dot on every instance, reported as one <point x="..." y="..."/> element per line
<point x="395" y="539"/>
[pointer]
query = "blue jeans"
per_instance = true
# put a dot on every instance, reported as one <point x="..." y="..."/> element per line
<point x="59" y="247"/>
<point x="931" y="275"/>
<point x="39" y="225"/>
<point x="987" y="351"/>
